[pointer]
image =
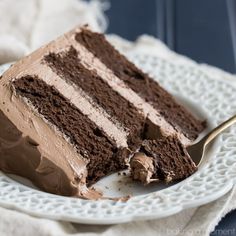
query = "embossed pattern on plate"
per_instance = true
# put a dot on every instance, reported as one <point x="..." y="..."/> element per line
<point x="215" y="97"/>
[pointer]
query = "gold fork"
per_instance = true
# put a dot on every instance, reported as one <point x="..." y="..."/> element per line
<point x="197" y="150"/>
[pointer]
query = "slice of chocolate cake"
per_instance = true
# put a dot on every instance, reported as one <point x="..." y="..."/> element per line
<point x="76" y="110"/>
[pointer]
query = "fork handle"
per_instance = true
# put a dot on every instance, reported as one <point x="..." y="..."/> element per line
<point x="219" y="129"/>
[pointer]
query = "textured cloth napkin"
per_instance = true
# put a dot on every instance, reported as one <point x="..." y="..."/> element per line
<point x="27" y="24"/>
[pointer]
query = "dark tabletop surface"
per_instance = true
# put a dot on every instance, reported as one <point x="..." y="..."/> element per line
<point x="204" y="30"/>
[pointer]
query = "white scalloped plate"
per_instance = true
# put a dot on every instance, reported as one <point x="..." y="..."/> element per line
<point x="208" y="98"/>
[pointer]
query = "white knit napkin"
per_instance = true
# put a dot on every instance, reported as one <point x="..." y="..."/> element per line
<point x="27" y="24"/>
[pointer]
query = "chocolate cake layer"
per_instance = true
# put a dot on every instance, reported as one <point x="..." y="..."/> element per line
<point x="165" y="159"/>
<point x="141" y="83"/>
<point x="91" y="142"/>
<point x="67" y="65"/>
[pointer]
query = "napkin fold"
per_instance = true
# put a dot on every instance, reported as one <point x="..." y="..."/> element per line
<point x="31" y="23"/>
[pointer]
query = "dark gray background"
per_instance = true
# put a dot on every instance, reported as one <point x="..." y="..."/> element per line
<point x="204" y="30"/>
